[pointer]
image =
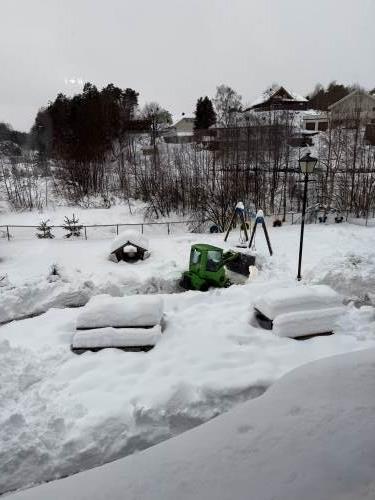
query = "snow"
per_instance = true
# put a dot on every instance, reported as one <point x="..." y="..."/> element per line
<point x="104" y="310"/>
<point x="310" y="437"/>
<point x="270" y="92"/>
<point x="307" y="322"/>
<point x="129" y="237"/>
<point x="116" y="337"/>
<point x="295" y="299"/>
<point x="61" y="413"/>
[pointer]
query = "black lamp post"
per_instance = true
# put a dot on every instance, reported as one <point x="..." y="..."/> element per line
<point x="307" y="164"/>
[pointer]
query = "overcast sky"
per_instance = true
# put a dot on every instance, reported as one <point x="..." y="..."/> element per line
<point x="173" y="51"/>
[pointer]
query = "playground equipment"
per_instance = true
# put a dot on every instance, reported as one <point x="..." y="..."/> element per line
<point x="238" y="214"/>
<point x="260" y="220"/>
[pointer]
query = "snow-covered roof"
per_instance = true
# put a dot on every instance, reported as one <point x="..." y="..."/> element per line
<point x="358" y="92"/>
<point x="130" y="237"/>
<point x="269" y="93"/>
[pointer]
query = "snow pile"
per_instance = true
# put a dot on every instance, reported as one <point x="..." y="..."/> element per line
<point x="310" y="436"/>
<point x="300" y="323"/>
<point x="37" y="296"/>
<point x="299" y="298"/>
<point x="351" y="273"/>
<point x="116" y="337"/>
<point x="117" y="312"/>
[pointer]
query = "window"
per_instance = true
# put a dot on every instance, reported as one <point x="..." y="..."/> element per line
<point x="213" y="260"/>
<point x="195" y="256"/>
<point x="310" y="126"/>
<point x="322" y="126"/>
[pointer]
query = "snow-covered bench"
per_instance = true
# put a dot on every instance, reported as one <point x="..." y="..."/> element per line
<point x="300" y="311"/>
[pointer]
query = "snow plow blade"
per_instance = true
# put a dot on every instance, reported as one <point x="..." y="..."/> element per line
<point x="241" y="264"/>
<point x="127" y="323"/>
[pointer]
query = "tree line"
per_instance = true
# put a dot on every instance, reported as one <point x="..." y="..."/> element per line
<point x="100" y="143"/>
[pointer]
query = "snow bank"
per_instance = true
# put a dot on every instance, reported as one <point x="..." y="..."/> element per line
<point x="299" y="298"/>
<point x="136" y="310"/>
<point x="311" y="437"/>
<point x="298" y="324"/>
<point x="116" y="337"/>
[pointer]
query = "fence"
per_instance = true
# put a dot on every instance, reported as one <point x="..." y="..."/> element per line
<point x="10" y="231"/>
<point x="100" y="230"/>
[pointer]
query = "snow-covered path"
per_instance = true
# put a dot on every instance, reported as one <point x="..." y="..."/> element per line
<point x="61" y="413"/>
<point x="310" y="436"/>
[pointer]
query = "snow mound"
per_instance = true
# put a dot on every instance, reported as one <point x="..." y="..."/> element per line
<point x="298" y="324"/>
<point x="133" y="311"/>
<point x="116" y="337"/>
<point x="299" y="298"/>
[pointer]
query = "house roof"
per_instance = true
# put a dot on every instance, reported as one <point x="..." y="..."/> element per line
<point x="352" y="94"/>
<point x="186" y="120"/>
<point x="271" y="92"/>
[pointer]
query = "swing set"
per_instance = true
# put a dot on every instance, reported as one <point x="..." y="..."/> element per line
<point x="239" y="215"/>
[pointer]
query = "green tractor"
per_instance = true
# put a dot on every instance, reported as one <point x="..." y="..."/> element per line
<point x="206" y="267"/>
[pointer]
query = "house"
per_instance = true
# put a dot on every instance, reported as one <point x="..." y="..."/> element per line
<point x="278" y="98"/>
<point x="180" y="132"/>
<point x="358" y="105"/>
<point x="315" y="121"/>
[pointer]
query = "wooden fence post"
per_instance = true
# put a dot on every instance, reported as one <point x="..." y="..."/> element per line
<point x="8" y="235"/>
<point x="85" y="233"/>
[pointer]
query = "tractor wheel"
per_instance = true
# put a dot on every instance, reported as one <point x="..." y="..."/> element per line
<point x="185" y="282"/>
<point x="203" y="287"/>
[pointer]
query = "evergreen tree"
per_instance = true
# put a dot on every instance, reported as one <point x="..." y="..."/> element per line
<point x="44" y="230"/>
<point x="72" y="227"/>
<point x="322" y="98"/>
<point x="205" y="115"/>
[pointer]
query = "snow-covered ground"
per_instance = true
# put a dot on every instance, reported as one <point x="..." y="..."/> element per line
<point x="61" y="413"/>
<point x="310" y="436"/>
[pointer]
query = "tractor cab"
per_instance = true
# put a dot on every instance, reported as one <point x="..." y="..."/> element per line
<point x="206" y="267"/>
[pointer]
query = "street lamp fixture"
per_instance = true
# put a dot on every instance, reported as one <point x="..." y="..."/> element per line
<point x="307" y="164"/>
